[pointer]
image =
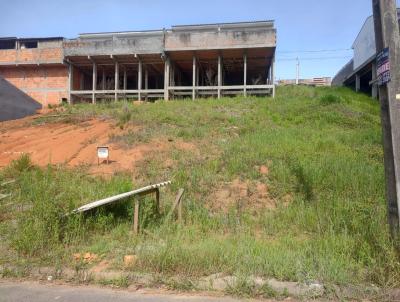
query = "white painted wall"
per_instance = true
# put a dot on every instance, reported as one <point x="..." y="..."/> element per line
<point x="364" y="45"/>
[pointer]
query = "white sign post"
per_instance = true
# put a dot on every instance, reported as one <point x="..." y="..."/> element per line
<point x="102" y="153"/>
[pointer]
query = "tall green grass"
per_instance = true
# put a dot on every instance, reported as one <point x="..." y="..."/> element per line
<point x="322" y="147"/>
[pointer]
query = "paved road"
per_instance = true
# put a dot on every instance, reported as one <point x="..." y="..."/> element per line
<point x="35" y="292"/>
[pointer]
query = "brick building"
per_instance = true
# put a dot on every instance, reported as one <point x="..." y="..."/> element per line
<point x="184" y="61"/>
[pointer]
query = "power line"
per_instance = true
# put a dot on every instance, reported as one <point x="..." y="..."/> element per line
<point x="314" y="51"/>
<point x="314" y="58"/>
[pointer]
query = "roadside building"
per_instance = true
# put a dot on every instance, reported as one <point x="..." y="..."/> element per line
<point x="360" y="72"/>
<point x="183" y="61"/>
<point x="321" y="81"/>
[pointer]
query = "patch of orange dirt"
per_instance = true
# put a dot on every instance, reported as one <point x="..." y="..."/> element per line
<point x="246" y="195"/>
<point x="101" y="266"/>
<point x="70" y="144"/>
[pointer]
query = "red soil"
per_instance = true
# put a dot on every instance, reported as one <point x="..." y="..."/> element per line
<point x="70" y="144"/>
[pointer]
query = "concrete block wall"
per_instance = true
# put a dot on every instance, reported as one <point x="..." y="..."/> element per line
<point x="46" y="84"/>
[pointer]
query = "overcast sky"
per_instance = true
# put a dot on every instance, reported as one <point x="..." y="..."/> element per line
<point x="302" y="25"/>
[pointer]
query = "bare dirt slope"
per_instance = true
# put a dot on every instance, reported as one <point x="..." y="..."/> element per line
<point x="70" y="144"/>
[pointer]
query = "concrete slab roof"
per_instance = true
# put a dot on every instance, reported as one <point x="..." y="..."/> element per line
<point x="205" y="26"/>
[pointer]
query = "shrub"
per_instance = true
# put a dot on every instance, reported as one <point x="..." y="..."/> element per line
<point x="17" y="166"/>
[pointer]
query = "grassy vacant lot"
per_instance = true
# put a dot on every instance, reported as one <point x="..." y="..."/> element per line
<point x="321" y="214"/>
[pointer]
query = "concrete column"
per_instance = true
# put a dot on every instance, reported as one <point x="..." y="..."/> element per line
<point x="81" y="80"/>
<point x="140" y="68"/>
<point x="194" y="79"/>
<point x="171" y="74"/>
<point x="166" y="79"/>
<point x="116" y="84"/>
<point x="273" y="76"/>
<point x="197" y="74"/>
<point x="358" y="83"/>
<point x="146" y="81"/>
<point x="374" y="87"/>
<point x="94" y="83"/>
<point x="125" y="79"/>
<point x="219" y="75"/>
<point x="70" y="82"/>
<point x="103" y="80"/>
<point x="245" y="74"/>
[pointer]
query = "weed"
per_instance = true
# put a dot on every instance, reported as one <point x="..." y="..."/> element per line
<point x="120" y="282"/>
<point x="330" y="99"/>
<point x="322" y="147"/>
<point x="23" y="163"/>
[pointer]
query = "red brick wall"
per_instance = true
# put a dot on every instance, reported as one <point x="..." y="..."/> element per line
<point x="41" y="55"/>
<point x="45" y="84"/>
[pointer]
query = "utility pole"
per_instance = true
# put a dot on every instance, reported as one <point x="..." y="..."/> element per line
<point x="388" y="59"/>
<point x="297" y="71"/>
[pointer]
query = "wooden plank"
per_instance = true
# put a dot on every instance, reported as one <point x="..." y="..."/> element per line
<point x="114" y="198"/>
<point x="7" y="182"/>
<point x="159" y="206"/>
<point x="136" y="217"/>
<point x="2" y="196"/>
<point x="177" y="204"/>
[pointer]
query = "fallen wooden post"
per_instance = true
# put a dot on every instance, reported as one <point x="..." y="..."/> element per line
<point x="2" y="196"/>
<point x="7" y="182"/>
<point x="178" y="204"/>
<point x="136" y="217"/>
<point x="108" y="200"/>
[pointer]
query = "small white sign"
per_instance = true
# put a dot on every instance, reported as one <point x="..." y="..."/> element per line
<point x="102" y="153"/>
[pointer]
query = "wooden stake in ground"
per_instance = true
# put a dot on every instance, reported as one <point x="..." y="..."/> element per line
<point x="388" y="39"/>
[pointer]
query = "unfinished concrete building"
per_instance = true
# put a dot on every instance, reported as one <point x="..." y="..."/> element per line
<point x="190" y="61"/>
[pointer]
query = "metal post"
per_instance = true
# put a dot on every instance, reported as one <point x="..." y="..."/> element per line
<point x="140" y="80"/>
<point x="194" y="78"/>
<point x="245" y="75"/>
<point x="94" y="83"/>
<point x="387" y="35"/>
<point x="219" y="75"/>
<point x="116" y="84"/>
